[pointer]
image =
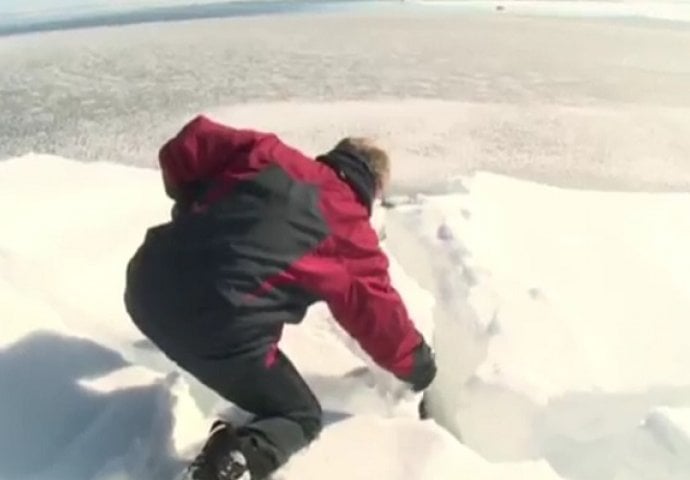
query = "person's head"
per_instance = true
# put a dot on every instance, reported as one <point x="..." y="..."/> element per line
<point x="375" y="157"/>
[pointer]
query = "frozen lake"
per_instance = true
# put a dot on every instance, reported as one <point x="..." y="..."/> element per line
<point x="575" y="101"/>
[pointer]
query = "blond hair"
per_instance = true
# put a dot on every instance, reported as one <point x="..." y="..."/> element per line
<point x="377" y="159"/>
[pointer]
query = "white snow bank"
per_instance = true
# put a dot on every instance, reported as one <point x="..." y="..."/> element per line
<point x="413" y="449"/>
<point x="559" y="319"/>
<point x="569" y="310"/>
<point x="81" y="386"/>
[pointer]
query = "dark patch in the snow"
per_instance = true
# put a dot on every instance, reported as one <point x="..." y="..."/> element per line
<point x="535" y="293"/>
<point x="400" y="201"/>
<point x="470" y="277"/>
<point x="145" y="344"/>
<point x="444" y="233"/>
<point x="52" y="426"/>
<point x="333" y="416"/>
<point x="466" y="214"/>
<point x="358" y="372"/>
<point x="454" y="185"/>
<point x="494" y="327"/>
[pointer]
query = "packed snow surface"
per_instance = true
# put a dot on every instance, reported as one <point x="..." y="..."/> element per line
<point x="559" y="318"/>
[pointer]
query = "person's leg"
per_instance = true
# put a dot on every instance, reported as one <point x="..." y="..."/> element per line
<point x="261" y="381"/>
<point x="287" y="414"/>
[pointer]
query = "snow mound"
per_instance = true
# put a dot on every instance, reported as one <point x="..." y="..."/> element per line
<point x="85" y="396"/>
<point x="568" y="313"/>
<point x="559" y="319"/>
<point x="413" y="449"/>
<point x="660" y="448"/>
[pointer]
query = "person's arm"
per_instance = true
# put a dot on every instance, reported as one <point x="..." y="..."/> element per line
<point x="371" y="310"/>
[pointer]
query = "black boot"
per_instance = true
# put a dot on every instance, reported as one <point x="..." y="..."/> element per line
<point x="221" y="457"/>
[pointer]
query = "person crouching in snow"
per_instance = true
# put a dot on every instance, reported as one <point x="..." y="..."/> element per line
<point x="260" y="232"/>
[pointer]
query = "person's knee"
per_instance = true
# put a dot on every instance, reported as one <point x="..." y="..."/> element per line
<point x="311" y="422"/>
<point x="312" y="428"/>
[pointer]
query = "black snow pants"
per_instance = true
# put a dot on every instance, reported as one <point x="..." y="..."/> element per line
<point x="287" y="415"/>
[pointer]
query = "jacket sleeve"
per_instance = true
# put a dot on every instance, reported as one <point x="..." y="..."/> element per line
<point x="370" y="309"/>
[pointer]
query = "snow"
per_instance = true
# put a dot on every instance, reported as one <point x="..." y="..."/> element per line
<point x="577" y="320"/>
<point x="559" y="316"/>
<point x="661" y="446"/>
<point x="98" y="401"/>
<point x="559" y="319"/>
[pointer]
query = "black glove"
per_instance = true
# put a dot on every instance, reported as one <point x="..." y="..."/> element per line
<point x="423" y="368"/>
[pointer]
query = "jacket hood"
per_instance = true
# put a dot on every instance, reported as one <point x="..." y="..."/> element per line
<point x="199" y="153"/>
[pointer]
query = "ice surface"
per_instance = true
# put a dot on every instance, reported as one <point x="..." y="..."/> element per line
<point x="580" y="102"/>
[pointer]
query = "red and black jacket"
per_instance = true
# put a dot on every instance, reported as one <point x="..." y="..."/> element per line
<point x="260" y="232"/>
